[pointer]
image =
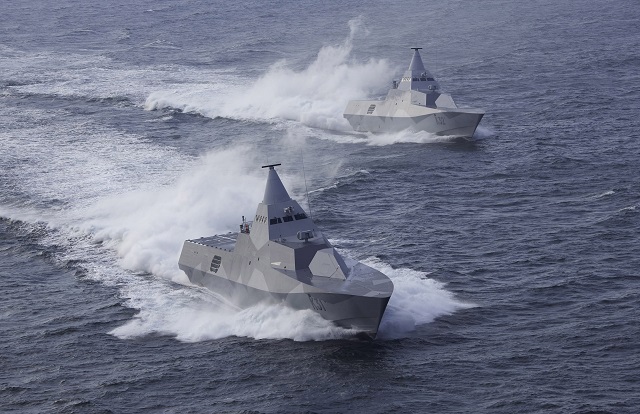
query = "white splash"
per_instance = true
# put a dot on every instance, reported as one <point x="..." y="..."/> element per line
<point x="482" y="132"/>
<point x="190" y="316"/>
<point x="193" y="314"/>
<point x="315" y="96"/>
<point x="416" y="300"/>
<point x="146" y="227"/>
<point x="420" y="137"/>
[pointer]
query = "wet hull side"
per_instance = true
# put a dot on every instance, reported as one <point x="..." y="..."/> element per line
<point x="443" y="123"/>
<point x="349" y="311"/>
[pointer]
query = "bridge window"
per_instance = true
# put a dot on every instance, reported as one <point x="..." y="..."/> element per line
<point x="300" y="216"/>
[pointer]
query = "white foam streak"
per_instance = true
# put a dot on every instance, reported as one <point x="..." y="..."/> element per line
<point x="99" y="77"/>
<point x="605" y="194"/>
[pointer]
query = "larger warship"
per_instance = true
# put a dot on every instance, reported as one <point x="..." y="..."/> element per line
<point x="415" y="103"/>
<point x="281" y="256"/>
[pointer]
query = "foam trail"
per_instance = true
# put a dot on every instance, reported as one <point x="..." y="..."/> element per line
<point x="315" y="96"/>
<point x="100" y="77"/>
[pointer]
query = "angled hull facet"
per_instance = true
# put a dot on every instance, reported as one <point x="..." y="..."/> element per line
<point x="459" y="122"/>
<point x="360" y="313"/>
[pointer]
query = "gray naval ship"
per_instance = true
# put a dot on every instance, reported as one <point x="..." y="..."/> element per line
<point x="281" y="256"/>
<point x="416" y="103"/>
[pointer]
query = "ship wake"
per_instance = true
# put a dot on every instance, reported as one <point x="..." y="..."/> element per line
<point x="314" y="96"/>
<point x="128" y="237"/>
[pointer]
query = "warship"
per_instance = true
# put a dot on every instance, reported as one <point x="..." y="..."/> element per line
<point x="281" y="256"/>
<point x="415" y="103"/>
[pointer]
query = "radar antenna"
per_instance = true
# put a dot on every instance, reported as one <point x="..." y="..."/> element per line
<point x="304" y="175"/>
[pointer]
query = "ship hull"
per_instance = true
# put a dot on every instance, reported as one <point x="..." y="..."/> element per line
<point x="360" y="313"/>
<point x="456" y="122"/>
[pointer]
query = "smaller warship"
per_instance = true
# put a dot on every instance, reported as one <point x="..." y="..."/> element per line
<point x="415" y="103"/>
<point x="282" y="257"/>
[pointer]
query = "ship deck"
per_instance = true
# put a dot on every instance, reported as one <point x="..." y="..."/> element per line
<point x="220" y="241"/>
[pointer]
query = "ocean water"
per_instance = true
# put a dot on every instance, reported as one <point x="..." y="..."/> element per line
<point x="127" y="128"/>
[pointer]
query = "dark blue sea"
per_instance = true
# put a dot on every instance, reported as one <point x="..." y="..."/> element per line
<point x="128" y="127"/>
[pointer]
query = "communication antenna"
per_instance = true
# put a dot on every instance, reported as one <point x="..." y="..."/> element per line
<point x="436" y="62"/>
<point x="304" y="175"/>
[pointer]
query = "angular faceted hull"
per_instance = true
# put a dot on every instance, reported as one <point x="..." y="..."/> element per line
<point x="350" y="311"/>
<point x="455" y="122"/>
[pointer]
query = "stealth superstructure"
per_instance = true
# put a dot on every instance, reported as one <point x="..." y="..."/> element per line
<point x="415" y="103"/>
<point x="282" y="256"/>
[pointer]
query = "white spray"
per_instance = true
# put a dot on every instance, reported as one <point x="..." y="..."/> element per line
<point x="315" y="96"/>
